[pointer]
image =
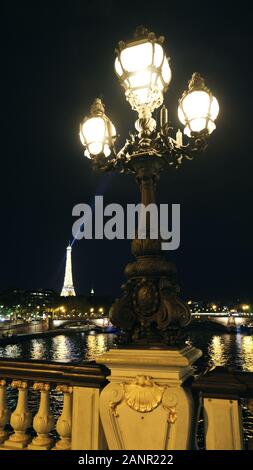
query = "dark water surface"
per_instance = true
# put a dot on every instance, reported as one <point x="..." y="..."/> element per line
<point x="220" y="349"/>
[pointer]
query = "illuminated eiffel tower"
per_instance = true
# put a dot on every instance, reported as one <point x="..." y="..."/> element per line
<point x="68" y="287"/>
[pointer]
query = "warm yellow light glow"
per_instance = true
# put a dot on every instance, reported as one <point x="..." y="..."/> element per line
<point x="38" y="349"/>
<point x="166" y="72"/>
<point x="247" y="353"/>
<point x="60" y="348"/>
<point x="214" y="307"/>
<point x="217" y="351"/>
<point x="145" y="73"/>
<point x="118" y="68"/>
<point x="245" y="307"/>
<point x="97" y="133"/>
<point x="198" y="108"/>
<point x="158" y="55"/>
<point x="91" y="309"/>
<point x="138" y="57"/>
<point x="95" y="345"/>
<point x="13" y="351"/>
<point x="101" y="310"/>
<point x="189" y="302"/>
<point x="140" y="79"/>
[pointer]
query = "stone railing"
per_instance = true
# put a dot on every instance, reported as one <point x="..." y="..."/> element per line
<point x="219" y="397"/>
<point x="222" y="394"/>
<point x="77" y="427"/>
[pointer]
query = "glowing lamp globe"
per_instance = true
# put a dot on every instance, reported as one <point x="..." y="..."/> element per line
<point x="198" y="108"/>
<point x="143" y="70"/>
<point x="97" y="133"/>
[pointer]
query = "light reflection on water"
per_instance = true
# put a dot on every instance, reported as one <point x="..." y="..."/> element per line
<point x="247" y="353"/>
<point x="38" y="348"/>
<point x="11" y="351"/>
<point x="75" y="347"/>
<point x="96" y="345"/>
<point x="228" y="349"/>
<point x="218" y="351"/>
<point x="61" y="346"/>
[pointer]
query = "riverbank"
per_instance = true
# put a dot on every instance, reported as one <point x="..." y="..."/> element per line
<point x="17" y="338"/>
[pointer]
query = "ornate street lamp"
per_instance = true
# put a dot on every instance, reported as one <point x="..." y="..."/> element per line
<point x="144" y="71"/>
<point x="97" y="133"/>
<point x="198" y="108"/>
<point x="149" y="311"/>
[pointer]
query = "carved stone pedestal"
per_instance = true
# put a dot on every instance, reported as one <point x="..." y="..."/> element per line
<point x="146" y="406"/>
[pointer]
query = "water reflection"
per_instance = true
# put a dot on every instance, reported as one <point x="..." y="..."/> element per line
<point x="231" y="349"/>
<point x="12" y="351"/>
<point x="38" y="349"/>
<point x="247" y="353"/>
<point x="61" y="348"/>
<point x="96" y="345"/>
<point x="70" y="347"/>
<point x="218" y="351"/>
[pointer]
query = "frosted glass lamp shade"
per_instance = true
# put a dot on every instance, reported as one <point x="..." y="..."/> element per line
<point x="198" y="108"/>
<point x="143" y="70"/>
<point x="97" y="133"/>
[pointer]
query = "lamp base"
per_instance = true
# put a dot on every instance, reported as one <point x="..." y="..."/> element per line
<point x="150" y="311"/>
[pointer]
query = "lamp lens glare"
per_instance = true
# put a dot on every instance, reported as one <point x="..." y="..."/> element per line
<point x="211" y="126"/>
<point x="140" y="79"/>
<point x="196" y="105"/>
<point x="118" y="67"/>
<point x="142" y="95"/>
<point x="93" y="130"/>
<point x="158" y="56"/>
<point x="97" y="134"/>
<point x="181" y="115"/>
<point x="198" y="124"/>
<point x="95" y="148"/>
<point x="144" y="72"/>
<point x="166" y="72"/>
<point x="137" y="57"/>
<point x="198" y="110"/>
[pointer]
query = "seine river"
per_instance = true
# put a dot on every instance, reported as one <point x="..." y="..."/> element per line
<point x="220" y="349"/>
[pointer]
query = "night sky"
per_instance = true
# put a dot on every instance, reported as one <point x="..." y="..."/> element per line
<point x="54" y="60"/>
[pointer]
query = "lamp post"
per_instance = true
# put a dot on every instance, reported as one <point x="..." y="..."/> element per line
<point x="149" y="312"/>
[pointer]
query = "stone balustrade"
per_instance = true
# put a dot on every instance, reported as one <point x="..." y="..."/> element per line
<point x="77" y="427"/>
<point x="220" y="394"/>
<point x="148" y="402"/>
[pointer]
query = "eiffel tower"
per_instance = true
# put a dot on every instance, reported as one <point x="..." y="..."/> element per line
<point x="68" y="287"/>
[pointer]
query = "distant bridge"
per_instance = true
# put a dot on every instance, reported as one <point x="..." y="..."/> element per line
<point x="223" y="318"/>
<point x="101" y="322"/>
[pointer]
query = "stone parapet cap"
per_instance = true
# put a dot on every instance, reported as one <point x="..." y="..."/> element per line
<point x="86" y="374"/>
<point x="151" y="358"/>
